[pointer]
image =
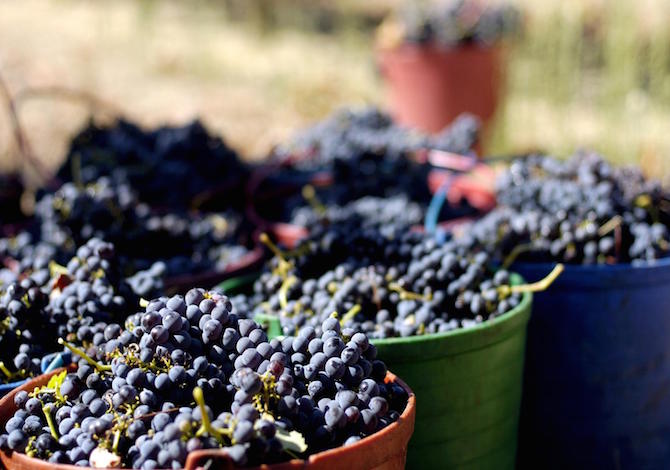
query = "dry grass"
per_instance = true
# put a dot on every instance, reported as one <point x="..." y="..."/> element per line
<point x="169" y="62"/>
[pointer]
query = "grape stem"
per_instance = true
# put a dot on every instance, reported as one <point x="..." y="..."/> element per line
<point x="309" y="194"/>
<point x="283" y="290"/>
<point x="206" y="426"/>
<point x="6" y="371"/>
<point x="265" y="240"/>
<point x="408" y="295"/>
<point x="55" y="268"/>
<point x="117" y="439"/>
<point x="46" y="409"/>
<point x="351" y="313"/>
<point x="514" y="254"/>
<point x="610" y="225"/>
<point x="284" y="265"/>
<point x="75" y="350"/>
<point x="538" y="286"/>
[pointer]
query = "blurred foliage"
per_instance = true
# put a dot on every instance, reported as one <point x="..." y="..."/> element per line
<point x="586" y="73"/>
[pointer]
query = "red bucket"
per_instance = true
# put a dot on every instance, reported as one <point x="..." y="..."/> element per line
<point x="384" y="450"/>
<point x="430" y="85"/>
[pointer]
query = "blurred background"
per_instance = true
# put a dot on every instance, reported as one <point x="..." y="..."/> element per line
<point x="583" y="73"/>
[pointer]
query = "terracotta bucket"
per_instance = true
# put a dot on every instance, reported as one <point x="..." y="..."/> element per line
<point x="430" y="85"/>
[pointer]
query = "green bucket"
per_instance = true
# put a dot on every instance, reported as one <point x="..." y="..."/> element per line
<point x="468" y="386"/>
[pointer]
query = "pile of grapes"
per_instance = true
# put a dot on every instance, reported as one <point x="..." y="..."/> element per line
<point x="459" y="22"/>
<point x="351" y="134"/>
<point x="383" y="281"/>
<point x="579" y="211"/>
<point x="187" y="373"/>
<point x="372" y="167"/>
<point x="119" y="192"/>
<point x="171" y="167"/>
<point x="54" y="301"/>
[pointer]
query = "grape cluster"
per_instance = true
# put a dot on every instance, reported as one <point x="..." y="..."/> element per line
<point x="367" y="156"/>
<point x="370" y="211"/>
<point x="21" y="254"/>
<point x="187" y="374"/>
<point x="24" y="329"/>
<point x="72" y="302"/>
<point x="353" y="135"/>
<point x="459" y="22"/>
<point x="155" y="162"/>
<point x="579" y="211"/>
<point x="89" y="291"/>
<point x="396" y="283"/>
<point x="180" y="242"/>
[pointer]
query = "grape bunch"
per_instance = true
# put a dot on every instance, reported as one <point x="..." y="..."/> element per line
<point x="359" y="135"/>
<point x="397" y="283"/>
<point x="90" y="290"/>
<point x="23" y="254"/>
<point x="169" y="244"/>
<point x="459" y="22"/>
<point x="188" y="373"/>
<point x="25" y="329"/>
<point x="40" y="305"/>
<point x="369" y="211"/>
<point x="579" y="211"/>
<point x="74" y="214"/>
<point x="155" y="162"/>
<point x="367" y="156"/>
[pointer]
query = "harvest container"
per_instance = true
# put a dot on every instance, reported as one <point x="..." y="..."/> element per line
<point x="468" y="387"/>
<point x="430" y="85"/>
<point x="384" y="450"/>
<point x="597" y="379"/>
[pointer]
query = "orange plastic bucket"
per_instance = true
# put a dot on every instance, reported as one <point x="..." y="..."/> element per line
<point x="430" y="85"/>
<point x="384" y="450"/>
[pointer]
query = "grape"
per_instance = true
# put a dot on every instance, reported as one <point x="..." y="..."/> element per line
<point x="17" y="440"/>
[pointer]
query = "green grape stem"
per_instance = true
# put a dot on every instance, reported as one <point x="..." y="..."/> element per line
<point x="46" y="409"/>
<point x="6" y="371"/>
<point x="538" y="286"/>
<point x="79" y="352"/>
<point x="206" y="426"/>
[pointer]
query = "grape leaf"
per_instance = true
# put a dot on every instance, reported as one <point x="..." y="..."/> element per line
<point x="291" y="441"/>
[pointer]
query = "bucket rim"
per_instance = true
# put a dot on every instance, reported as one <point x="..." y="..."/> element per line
<point x="578" y="276"/>
<point x="644" y="265"/>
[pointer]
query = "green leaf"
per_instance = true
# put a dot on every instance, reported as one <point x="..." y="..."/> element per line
<point x="292" y="441"/>
<point x="54" y="384"/>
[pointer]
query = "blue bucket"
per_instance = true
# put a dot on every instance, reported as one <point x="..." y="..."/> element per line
<point x="49" y="362"/>
<point x="597" y="376"/>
